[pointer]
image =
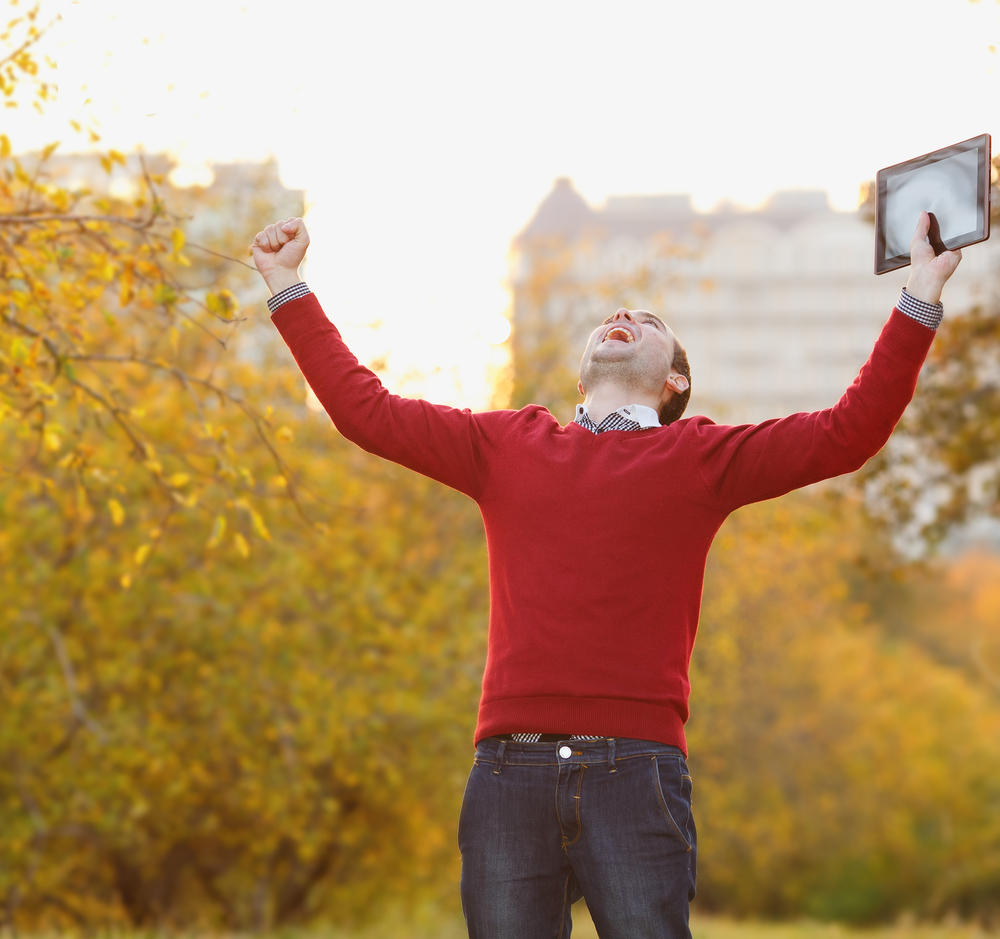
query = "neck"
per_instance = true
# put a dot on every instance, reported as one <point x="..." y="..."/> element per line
<point x="604" y="399"/>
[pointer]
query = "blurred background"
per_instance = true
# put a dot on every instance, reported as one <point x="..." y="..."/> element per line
<point x="240" y="659"/>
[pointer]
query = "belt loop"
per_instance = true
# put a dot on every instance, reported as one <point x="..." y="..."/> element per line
<point x="611" y="755"/>
<point x="499" y="763"/>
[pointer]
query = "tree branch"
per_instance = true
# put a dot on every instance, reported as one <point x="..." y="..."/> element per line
<point x="32" y="219"/>
<point x="80" y="711"/>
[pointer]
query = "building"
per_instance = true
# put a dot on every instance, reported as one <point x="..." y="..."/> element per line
<point x="778" y="308"/>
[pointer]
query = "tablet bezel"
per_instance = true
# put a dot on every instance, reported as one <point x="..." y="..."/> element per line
<point x="980" y="233"/>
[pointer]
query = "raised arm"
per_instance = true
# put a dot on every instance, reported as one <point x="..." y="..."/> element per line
<point x="450" y="445"/>
<point x="752" y="463"/>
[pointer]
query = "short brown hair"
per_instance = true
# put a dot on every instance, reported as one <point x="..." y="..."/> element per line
<point x="672" y="409"/>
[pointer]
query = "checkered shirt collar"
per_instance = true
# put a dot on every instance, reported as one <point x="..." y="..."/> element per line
<point x="630" y="417"/>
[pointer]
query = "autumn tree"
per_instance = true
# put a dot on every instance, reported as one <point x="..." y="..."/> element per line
<point x="845" y="771"/>
<point x="237" y="657"/>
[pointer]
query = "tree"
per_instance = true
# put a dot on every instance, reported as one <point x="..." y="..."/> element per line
<point x="229" y="679"/>
<point x="840" y="771"/>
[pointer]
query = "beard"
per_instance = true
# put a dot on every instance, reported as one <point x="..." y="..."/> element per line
<point x="631" y="373"/>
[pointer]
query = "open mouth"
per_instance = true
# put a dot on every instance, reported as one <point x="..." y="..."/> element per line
<point x="619" y="334"/>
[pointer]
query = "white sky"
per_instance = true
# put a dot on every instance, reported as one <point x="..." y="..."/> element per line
<point x="426" y="133"/>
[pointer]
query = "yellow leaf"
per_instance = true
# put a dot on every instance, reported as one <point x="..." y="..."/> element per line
<point x="4" y="146"/>
<point x="52" y="440"/>
<point x="165" y="294"/>
<point x="189" y="502"/>
<point x="179" y="479"/>
<point x="222" y="303"/>
<point x="259" y="526"/>
<point x="126" y="581"/>
<point x="83" y="504"/>
<point x="141" y="553"/>
<point x="285" y="434"/>
<point x="177" y="239"/>
<point x="218" y="530"/>
<point x="117" y="512"/>
<point x="241" y="545"/>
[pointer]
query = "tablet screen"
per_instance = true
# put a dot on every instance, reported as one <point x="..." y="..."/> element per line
<point x="952" y="183"/>
<point x="947" y="188"/>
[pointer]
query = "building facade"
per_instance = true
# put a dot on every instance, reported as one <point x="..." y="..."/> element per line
<point x="778" y="308"/>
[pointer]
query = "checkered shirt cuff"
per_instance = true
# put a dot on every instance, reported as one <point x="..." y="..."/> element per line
<point x="289" y="293"/>
<point x="927" y="314"/>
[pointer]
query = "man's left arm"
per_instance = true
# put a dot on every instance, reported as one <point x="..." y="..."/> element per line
<point x="752" y="463"/>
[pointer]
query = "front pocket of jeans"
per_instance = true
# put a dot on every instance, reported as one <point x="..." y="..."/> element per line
<point x="665" y="807"/>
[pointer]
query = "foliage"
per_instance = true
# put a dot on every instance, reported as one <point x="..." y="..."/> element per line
<point x="845" y="772"/>
<point x="229" y="686"/>
<point x="18" y="65"/>
<point x="242" y="745"/>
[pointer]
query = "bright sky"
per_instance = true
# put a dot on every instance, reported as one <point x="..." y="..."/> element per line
<point x="426" y="133"/>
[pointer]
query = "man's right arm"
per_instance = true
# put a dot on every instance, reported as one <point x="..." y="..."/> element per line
<point x="447" y="444"/>
<point x="762" y="461"/>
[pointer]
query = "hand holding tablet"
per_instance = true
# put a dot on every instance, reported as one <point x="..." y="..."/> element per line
<point x="951" y="184"/>
<point x="930" y="268"/>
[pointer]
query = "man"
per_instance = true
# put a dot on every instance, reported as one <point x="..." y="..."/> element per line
<point x="598" y="532"/>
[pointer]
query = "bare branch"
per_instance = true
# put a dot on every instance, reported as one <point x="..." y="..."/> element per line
<point x="225" y="257"/>
<point x="80" y="711"/>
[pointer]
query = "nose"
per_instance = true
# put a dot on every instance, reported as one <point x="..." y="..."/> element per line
<point x="623" y="314"/>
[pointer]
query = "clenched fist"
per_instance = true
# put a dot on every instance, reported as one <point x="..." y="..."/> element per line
<point x="278" y="251"/>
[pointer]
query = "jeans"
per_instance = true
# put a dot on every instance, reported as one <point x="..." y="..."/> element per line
<point x="611" y="822"/>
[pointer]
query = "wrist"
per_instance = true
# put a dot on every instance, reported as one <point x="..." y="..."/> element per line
<point x="923" y="290"/>
<point x="281" y="279"/>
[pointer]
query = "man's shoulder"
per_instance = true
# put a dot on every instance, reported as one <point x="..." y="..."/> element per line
<point x="530" y="413"/>
<point x="510" y="423"/>
<point x="692" y="426"/>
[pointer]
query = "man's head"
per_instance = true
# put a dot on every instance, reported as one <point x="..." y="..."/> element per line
<point x="635" y="351"/>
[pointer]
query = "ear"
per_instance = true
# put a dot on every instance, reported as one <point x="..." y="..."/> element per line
<point x="674" y="385"/>
<point x="579" y="387"/>
<point x="677" y="383"/>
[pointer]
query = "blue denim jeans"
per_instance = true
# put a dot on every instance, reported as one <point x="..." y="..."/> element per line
<point x="611" y="822"/>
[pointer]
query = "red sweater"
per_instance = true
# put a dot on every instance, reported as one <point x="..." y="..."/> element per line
<point x="597" y="542"/>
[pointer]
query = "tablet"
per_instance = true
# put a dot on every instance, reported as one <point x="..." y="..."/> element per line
<point x="952" y="184"/>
